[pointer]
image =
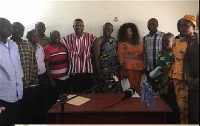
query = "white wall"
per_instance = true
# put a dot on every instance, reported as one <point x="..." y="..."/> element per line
<point x="59" y="15"/>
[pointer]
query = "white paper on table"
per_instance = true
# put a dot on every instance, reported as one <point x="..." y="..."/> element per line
<point x="125" y="84"/>
<point x="79" y="100"/>
<point x="135" y="95"/>
<point x="115" y="78"/>
<point x="154" y="73"/>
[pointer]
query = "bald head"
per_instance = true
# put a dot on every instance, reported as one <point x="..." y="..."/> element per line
<point x="55" y="36"/>
<point x="40" y="26"/>
<point x="107" y="29"/>
<point x="152" y="25"/>
<point x="5" y="28"/>
<point x="107" y="24"/>
<point x="18" y="30"/>
<point x="15" y="24"/>
<point x="33" y="36"/>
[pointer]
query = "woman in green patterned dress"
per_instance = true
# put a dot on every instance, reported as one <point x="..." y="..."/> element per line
<point x="164" y="61"/>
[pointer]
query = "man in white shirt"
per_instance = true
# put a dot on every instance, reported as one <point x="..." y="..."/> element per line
<point x="11" y="74"/>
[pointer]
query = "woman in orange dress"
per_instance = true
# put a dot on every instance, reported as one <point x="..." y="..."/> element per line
<point x="179" y="50"/>
<point x="130" y="55"/>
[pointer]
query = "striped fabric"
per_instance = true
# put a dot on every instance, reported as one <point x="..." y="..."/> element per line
<point x="58" y="64"/>
<point x="152" y="45"/>
<point x="79" y="52"/>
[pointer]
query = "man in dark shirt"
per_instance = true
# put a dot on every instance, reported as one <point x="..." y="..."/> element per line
<point x="44" y="40"/>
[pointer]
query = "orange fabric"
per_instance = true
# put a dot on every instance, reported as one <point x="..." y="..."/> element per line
<point x="179" y="50"/>
<point x="134" y="77"/>
<point x="190" y="18"/>
<point x="130" y="55"/>
<point x="181" y="90"/>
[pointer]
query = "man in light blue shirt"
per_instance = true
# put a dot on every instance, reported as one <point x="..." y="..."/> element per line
<point x="11" y="74"/>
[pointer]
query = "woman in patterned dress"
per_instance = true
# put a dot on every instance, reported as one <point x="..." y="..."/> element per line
<point x="176" y="72"/>
<point x="130" y="52"/>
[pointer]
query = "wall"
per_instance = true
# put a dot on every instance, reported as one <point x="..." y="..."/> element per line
<point x="59" y="15"/>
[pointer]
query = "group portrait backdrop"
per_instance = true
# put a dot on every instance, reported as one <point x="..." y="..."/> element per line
<point x="59" y="15"/>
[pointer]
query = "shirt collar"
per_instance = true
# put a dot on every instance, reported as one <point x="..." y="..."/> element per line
<point x="158" y="32"/>
<point x="74" y="34"/>
<point x="45" y="37"/>
<point x="38" y="46"/>
<point x="8" y="40"/>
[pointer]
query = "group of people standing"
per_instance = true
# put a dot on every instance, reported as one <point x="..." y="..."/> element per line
<point x="43" y="68"/>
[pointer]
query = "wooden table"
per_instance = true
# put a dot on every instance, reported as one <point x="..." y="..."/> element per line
<point x="128" y="111"/>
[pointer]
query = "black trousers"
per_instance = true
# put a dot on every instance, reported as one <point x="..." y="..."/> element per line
<point x="81" y="82"/>
<point x="9" y="116"/>
<point x="147" y="74"/>
<point x="151" y="81"/>
<point x="53" y="92"/>
<point x="42" y="79"/>
<point x="33" y="107"/>
<point x="193" y="106"/>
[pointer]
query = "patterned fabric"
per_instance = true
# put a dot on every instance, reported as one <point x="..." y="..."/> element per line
<point x="164" y="61"/>
<point x="130" y="55"/>
<point x="29" y="63"/>
<point x="11" y="73"/>
<point x="190" y="18"/>
<point x="152" y="45"/>
<point x="178" y="37"/>
<point x="108" y="57"/>
<point x="58" y="64"/>
<point x="181" y="90"/>
<point x="109" y="63"/>
<point x="44" y="41"/>
<point x="79" y="52"/>
<point x="179" y="50"/>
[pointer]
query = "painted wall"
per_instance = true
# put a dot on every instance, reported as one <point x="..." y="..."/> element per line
<point x="59" y="15"/>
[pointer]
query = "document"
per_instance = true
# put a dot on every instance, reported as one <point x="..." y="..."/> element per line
<point x="78" y="100"/>
<point x="154" y="73"/>
<point x="125" y="84"/>
<point x="135" y="95"/>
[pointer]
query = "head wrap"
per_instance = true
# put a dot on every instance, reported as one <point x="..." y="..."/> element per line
<point x="190" y="18"/>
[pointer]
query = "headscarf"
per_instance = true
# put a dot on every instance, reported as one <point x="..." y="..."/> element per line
<point x="190" y="18"/>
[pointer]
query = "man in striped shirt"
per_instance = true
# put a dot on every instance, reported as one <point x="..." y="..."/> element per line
<point x="152" y="44"/>
<point x="79" y="45"/>
<point x="56" y="62"/>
